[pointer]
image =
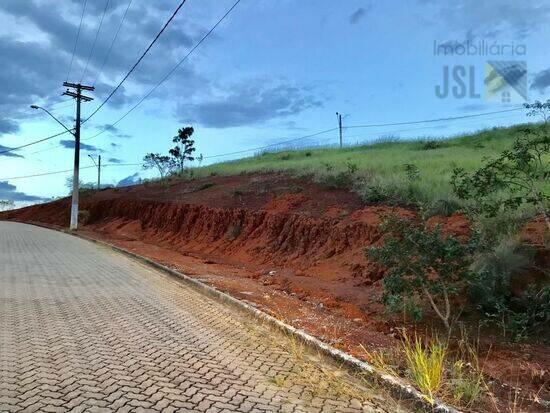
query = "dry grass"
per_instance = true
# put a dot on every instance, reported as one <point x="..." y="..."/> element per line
<point x="383" y="360"/>
<point x="455" y="377"/>
<point x="425" y="363"/>
<point x="318" y="378"/>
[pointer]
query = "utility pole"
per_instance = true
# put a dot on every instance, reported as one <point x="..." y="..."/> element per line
<point x="339" y="116"/>
<point x="99" y="172"/>
<point x="79" y="97"/>
<point x="98" y="166"/>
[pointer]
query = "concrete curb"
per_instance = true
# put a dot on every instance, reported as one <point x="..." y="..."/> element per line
<point x="397" y="387"/>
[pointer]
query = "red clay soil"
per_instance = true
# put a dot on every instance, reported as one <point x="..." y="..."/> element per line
<point x="292" y="248"/>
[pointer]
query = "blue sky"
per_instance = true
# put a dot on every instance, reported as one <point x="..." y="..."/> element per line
<point x="273" y="70"/>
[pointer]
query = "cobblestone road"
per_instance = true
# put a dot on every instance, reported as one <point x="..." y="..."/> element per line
<point x="83" y="328"/>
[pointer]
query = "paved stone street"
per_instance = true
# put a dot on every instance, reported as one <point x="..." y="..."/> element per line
<point x="83" y="328"/>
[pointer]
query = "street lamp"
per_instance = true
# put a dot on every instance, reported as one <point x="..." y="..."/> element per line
<point x="57" y="120"/>
<point x="74" y="200"/>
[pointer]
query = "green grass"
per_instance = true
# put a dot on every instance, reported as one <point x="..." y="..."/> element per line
<point x="380" y="172"/>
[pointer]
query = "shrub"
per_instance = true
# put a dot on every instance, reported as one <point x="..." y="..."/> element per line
<point x="523" y="317"/>
<point x="466" y="383"/>
<point x="393" y="191"/>
<point x="534" y="314"/>
<point x="6" y="205"/>
<point x="517" y="317"/>
<point x="441" y="207"/>
<point x="342" y="179"/>
<point x="430" y="145"/>
<point x="517" y="177"/>
<point x="352" y="167"/>
<point x="83" y="216"/>
<point x="412" y="172"/>
<point x="422" y="263"/>
<point x="494" y="268"/>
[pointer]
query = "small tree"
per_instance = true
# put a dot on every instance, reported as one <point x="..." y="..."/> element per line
<point x="515" y="178"/>
<point x="163" y="163"/>
<point x="185" y="146"/>
<point x="82" y="186"/>
<point x="538" y="108"/>
<point x="421" y="264"/>
<point x="6" y="205"/>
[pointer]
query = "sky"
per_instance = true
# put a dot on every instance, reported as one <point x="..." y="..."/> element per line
<point x="272" y="71"/>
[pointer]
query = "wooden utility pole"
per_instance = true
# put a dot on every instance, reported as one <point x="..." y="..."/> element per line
<point x="79" y="97"/>
<point x="98" y="172"/>
<point x="98" y="166"/>
<point x="339" y="116"/>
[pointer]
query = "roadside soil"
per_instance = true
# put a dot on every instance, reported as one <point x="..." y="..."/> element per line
<point x="292" y="248"/>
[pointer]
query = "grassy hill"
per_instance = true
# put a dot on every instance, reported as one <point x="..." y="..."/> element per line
<point x="394" y="172"/>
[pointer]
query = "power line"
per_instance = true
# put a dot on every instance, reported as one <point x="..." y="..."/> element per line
<point x="76" y="42"/>
<point x="32" y="143"/>
<point x="138" y="61"/>
<point x="66" y="171"/>
<point x="112" y="43"/>
<point x="413" y="129"/>
<point x="95" y="40"/>
<point x="335" y="129"/>
<point x="170" y="72"/>
<point x="273" y="144"/>
<point x="42" y="174"/>
<point x="61" y="107"/>
<point x="248" y="150"/>
<point x="433" y="120"/>
<point x="60" y="102"/>
<point x="77" y="36"/>
<point x="236" y="152"/>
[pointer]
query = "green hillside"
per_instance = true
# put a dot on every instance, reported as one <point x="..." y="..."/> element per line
<point x="395" y="172"/>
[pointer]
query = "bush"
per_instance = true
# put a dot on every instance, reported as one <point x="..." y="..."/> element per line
<point x="441" y="207"/>
<point x="494" y="268"/>
<point x="421" y="263"/>
<point x="514" y="179"/>
<point x="342" y="179"/>
<point x="412" y="171"/>
<point x="534" y="314"/>
<point x="430" y="145"/>
<point x="518" y="317"/>
<point x="83" y="216"/>
<point x="524" y="317"/>
<point x="393" y="191"/>
<point x="6" y="205"/>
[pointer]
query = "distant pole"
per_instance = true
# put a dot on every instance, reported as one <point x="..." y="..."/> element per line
<point x="99" y="173"/>
<point x="98" y="166"/>
<point x="79" y="97"/>
<point x="339" y="116"/>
